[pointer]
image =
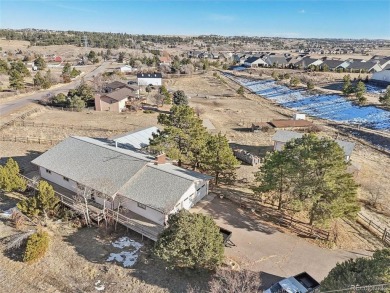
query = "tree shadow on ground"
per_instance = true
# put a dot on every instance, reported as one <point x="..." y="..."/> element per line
<point x="336" y="86"/>
<point x="94" y="244"/>
<point x="231" y="214"/>
<point x="24" y="162"/>
<point x="255" y="150"/>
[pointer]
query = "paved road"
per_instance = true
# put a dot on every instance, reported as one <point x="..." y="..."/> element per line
<point x="14" y="105"/>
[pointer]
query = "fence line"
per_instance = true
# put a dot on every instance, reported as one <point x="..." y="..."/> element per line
<point x="21" y="117"/>
<point x="27" y="139"/>
<point x="382" y="233"/>
<point x="23" y="123"/>
<point x="297" y="226"/>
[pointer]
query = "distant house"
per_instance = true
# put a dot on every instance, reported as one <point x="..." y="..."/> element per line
<point x="239" y="58"/>
<point x="114" y="101"/>
<point x="255" y="62"/>
<point x="143" y="188"/>
<point x="276" y="61"/>
<point x="367" y="66"/>
<point x="116" y="85"/>
<point x="381" y="77"/>
<point x="137" y="140"/>
<point x="149" y="79"/>
<point x="331" y="64"/>
<point x="306" y="62"/>
<point x="166" y="60"/>
<point x="194" y="54"/>
<point x="126" y="69"/>
<point x="281" y="137"/>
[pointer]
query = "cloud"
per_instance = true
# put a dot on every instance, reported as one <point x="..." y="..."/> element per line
<point x="221" y="17"/>
<point x="302" y="11"/>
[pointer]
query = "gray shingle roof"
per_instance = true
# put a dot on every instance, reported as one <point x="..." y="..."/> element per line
<point x="332" y="63"/>
<point x="285" y="135"/>
<point x="155" y="188"/>
<point x="113" y="170"/>
<point x="361" y="65"/>
<point x="251" y="59"/>
<point x="120" y="94"/>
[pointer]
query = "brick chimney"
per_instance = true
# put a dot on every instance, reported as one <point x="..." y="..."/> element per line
<point x="161" y="159"/>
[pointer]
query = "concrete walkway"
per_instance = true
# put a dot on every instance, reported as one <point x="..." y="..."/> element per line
<point x="262" y="247"/>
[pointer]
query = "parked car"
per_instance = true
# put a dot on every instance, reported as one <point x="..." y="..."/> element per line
<point x="301" y="283"/>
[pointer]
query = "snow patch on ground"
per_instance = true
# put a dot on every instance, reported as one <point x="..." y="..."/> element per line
<point x="326" y="106"/>
<point x="127" y="258"/>
<point x="8" y="213"/>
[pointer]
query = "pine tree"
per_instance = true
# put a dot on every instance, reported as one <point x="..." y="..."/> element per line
<point x="38" y="80"/>
<point x="385" y="99"/>
<point x="360" y="89"/>
<point x="9" y="177"/>
<point x="274" y="177"/>
<point x="16" y="80"/>
<point x="360" y="271"/>
<point x="180" y="98"/>
<point x="220" y="160"/>
<point x="191" y="241"/>
<point x="44" y="203"/>
<point x="40" y="63"/>
<point x="3" y="67"/>
<point x="347" y="85"/>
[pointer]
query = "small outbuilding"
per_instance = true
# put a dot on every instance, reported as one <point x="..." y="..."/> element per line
<point x="149" y="79"/>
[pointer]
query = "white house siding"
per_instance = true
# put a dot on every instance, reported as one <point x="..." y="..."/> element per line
<point x="122" y="105"/>
<point x="278" y="145"/>
<point x="58" y="179"/>
<point x="195" y="193"/>
<point x="147" y="213"/>
<point x="382" y="76"/>
<point x="146" y="81"/>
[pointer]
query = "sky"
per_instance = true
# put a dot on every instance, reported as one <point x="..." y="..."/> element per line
<point x="368" y="19"/>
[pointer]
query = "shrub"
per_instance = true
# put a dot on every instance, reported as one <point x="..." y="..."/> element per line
<point x="37" y="245"/>
<point x="191" y="241"/>
<point x="9" y="177"/>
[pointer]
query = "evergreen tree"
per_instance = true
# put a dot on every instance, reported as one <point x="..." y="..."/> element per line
<point x="294" y="81"/>
<point x="360" y="89"/>
<point x="175" y="139"/>
<point x="3" y="67"/>
<point x="310" y="85"/>
<point x="40" y="63"/>
<point x="385" y="99"/>
<point x="311" y="173"/>
<point x="191" y="241"/>
<point x="20" y="68"/>
<point x="9" y="177"/>
<point x="360" y="271"/>
<point x="220" y="160"/>
<point x="274" y="177"/>
<point x="180" y="98"/>
<point x="240" y="90"/>
<point x="347" y="85"/>
<point x="44" y="203"/>
<point x="16" y="80"/>
<point x="38" y="80"/>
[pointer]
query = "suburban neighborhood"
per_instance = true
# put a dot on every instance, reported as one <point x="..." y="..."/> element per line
<point x="190" y="162"/>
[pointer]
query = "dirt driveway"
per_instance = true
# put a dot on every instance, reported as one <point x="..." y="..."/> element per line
<point x="262" y="247"/>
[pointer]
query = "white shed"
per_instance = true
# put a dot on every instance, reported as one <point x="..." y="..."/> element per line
<point x="149" y="79"/>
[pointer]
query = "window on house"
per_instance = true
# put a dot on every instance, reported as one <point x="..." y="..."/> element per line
<point x="142" y="206"/>
<point x="48" y="171"/>
<point x="200" y="187"/>
<point x="65" y="178"/>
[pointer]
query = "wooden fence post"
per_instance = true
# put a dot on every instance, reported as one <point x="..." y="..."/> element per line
<point x="384" y="235"/>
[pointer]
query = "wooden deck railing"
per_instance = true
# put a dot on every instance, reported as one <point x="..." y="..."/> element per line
<point x="98" y="214"/>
